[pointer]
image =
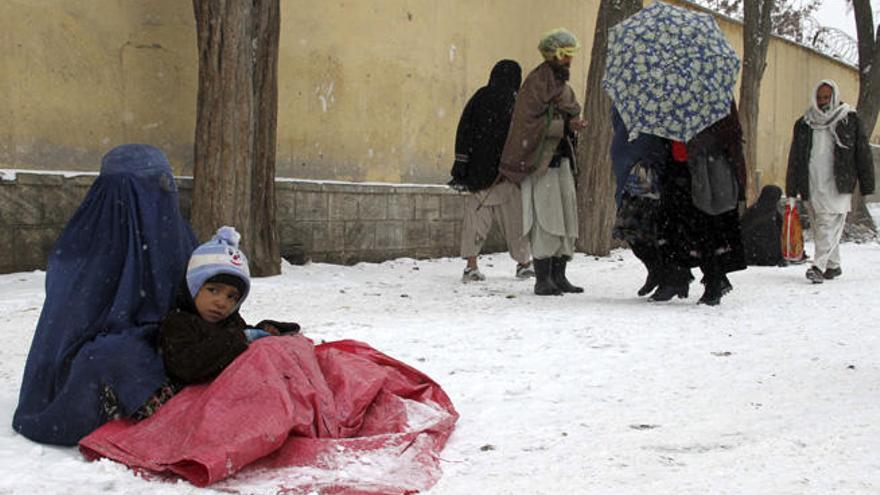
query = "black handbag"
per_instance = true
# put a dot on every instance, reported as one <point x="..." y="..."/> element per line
<point x="714" y="188"/>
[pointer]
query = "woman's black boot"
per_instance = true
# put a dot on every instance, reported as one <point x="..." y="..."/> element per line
<point x="544" y="284"/>
<point x="651" y="283"/>
<point x="674" y="281"/>
<point x="558" y="271"/>
<point x="713" y="292"/>
<point x="667" y="291"/>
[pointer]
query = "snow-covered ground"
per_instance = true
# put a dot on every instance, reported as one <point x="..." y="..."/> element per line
<point x="776" y="391"/>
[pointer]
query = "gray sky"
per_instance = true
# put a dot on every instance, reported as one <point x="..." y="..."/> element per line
<point x="838" y="14"/>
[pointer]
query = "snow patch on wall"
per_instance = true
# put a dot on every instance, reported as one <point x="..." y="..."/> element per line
<point x="11" y="174"/>
<point x="325" y="95"/>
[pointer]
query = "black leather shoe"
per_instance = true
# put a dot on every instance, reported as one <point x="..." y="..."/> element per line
<point x="830" y="273"/>
<point x="667" y="292"/>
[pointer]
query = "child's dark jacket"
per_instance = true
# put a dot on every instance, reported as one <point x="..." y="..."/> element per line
<point x="195" y="350"/>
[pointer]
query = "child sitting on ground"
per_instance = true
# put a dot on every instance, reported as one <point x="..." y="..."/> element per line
<point x="205" y="332"/>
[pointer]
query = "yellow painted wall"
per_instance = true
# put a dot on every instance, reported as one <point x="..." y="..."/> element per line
<point x="79" y="77"/>
<point x="369" y="90"/>
<point x="372" y="90"/>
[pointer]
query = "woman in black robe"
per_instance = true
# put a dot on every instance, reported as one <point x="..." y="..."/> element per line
<point x="690" y="237"/>
<point x="762" y="228"/>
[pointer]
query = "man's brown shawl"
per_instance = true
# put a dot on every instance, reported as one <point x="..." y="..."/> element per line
<point x="528" y="144"/>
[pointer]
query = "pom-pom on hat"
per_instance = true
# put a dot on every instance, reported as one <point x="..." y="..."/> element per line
<point x="219" y="260"/>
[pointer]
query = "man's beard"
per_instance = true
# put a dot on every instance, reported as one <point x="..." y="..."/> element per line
<point x="561" y="72"/>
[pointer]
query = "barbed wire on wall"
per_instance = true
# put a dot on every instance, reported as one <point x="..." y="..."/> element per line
<point x="830" y="41"/>
<point x="824" y="39"/>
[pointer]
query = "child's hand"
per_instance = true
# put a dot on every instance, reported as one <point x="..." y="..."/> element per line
<point x="282" y="327"/>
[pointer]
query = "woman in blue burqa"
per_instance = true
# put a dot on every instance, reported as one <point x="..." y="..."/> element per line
<point x="110" y="279"/>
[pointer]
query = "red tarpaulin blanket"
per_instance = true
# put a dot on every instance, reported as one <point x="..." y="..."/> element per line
<point x="288" y="416"/>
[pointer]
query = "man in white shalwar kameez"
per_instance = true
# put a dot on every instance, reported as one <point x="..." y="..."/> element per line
<point x="829" y="154"/>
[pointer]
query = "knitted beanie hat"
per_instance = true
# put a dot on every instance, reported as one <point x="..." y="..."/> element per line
<point x="217" y="260"/>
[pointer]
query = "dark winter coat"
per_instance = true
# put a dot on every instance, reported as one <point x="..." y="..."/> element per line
<point x="533" y="137"/>
<point x="482" y="129"/>
<point x="195" y="350"/>
<point x="690" y="237"/>
<point x="850" y="164"/>
<point x="762" y="228"/>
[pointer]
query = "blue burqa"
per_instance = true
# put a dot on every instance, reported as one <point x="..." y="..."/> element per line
<point x="110" y="279"/>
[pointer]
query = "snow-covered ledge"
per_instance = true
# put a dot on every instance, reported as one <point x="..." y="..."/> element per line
<point x="329" y="221"/>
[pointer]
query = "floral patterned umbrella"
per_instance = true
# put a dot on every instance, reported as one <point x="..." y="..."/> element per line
<point x="670" y="72"/>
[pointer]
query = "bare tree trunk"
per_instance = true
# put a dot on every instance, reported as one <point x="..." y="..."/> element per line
<point x="869" y="65"/>
<point x="234" y="173"/>
<point x="859" y="224"/>
<point x="595" y="181"/>
<point x="756" y="40"/>
<point x="265" y="248"/>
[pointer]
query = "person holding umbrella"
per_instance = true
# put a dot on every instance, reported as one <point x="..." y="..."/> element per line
<point x="670" y="73"/>
<point x="539" y="156"/>
<point x="700" y="188"/>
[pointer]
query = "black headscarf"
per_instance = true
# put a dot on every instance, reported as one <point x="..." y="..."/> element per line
<point x="482" y="129"/>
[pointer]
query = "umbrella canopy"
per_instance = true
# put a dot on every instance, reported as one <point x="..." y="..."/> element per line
<point x="670" y="72"/>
